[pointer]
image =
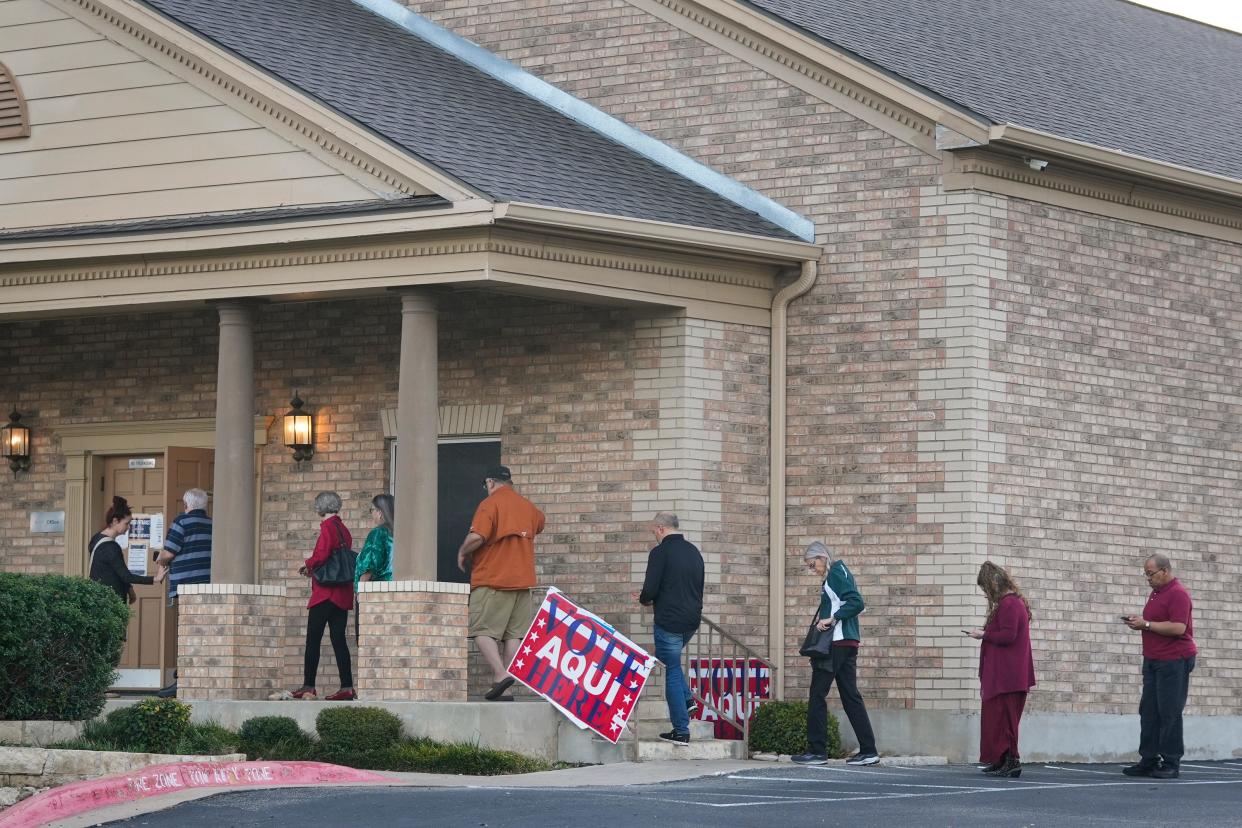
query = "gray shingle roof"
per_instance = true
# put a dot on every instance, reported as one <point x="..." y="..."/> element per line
<point x="452" y="115"/>
<point x="1106" y="72"/>
<point x="237" y="217"/>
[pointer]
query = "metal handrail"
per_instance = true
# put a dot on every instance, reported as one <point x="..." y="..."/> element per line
<point x="718" y="640"/>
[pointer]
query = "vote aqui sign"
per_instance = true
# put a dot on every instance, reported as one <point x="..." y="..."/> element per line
<point x="582" y="665"/>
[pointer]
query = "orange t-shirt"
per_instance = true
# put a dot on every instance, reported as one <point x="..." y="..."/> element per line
<point x="508" y="523"/>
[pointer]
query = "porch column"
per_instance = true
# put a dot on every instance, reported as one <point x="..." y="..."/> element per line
<point x="233" y="532"/>
<point x="418" y="431"/>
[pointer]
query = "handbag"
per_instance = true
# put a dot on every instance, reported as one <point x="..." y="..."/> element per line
<point x="338" y="569"/>
<point x="818" y="643"/>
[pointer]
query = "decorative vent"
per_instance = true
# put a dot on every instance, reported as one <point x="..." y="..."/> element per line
<point x="13" y="120"/>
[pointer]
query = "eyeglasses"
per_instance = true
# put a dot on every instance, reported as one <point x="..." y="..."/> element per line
<point x="1152" y="573"/>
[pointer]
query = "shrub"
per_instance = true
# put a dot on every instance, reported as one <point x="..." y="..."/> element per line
<point x="780" y="727"/>
<point x="422" y="755"/>
<point x="346" y="734"/>
<point x="150" y="726"/>
<point x="259" y="735"/>
<point x="60" y="642"/>
<point x="208" y="739"/>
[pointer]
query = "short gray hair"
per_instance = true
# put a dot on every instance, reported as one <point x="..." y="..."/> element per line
<point x="1161" y="561"/>
<point x="667" y="519"/>
<point x="194" y="499"/>
<point x="817" y="550"/>
<point x="328" y="503"/>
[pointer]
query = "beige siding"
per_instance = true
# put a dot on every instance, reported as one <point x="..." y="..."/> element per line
<point x="115" y="137"/>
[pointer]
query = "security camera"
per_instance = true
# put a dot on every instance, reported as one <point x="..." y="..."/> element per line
<point x="1037" y="164"/>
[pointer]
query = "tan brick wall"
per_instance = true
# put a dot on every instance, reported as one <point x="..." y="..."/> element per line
<point x="855" y="347"/>
<point x="229" y="641"/>
<point x="412" y="641"/>
<point x="1123" y="397"/>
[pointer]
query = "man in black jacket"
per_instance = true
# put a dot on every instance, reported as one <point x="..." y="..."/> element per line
<point x="674" y="583"/>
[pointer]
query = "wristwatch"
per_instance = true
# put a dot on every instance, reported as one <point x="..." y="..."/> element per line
<point x="1147" y="625"/>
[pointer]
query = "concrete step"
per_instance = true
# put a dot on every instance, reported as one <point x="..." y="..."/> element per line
<point x="650" y="751"/>
<point x="652" y="728"/>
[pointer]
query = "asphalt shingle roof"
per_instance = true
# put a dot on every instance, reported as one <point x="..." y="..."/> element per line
<point x="1106" y="72"/>
<point x="452" y="115"/>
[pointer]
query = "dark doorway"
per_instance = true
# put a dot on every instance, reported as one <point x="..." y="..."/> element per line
<point x="462" y="469"/>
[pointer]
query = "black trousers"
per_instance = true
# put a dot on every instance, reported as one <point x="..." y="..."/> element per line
<point x="841" y="667"/>
<point x="327" y="614"/>
<point x="1165" y="687"/>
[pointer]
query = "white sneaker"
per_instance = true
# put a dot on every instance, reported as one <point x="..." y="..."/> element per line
<point x="861" y="758"/>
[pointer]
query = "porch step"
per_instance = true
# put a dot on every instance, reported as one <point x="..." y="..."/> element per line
<point x="652" y="728"/>
<point x="649" y="751"/>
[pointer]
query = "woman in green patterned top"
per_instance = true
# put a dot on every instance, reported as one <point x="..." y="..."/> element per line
<point x="375" y="559"/>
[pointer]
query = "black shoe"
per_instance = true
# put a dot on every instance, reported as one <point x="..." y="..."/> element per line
<point x="681" y="739"/>
<point x="1141" y="769"/>
<point x="692" y="707"/>
<point x="809" y="759"/>
<point x="1165" y="772"/>
<point x="1011" y="769"/>
<point x="499" y="688"/>
<point x="861" y="758"/>
<point x="994" y="767"/>
<point x="169" y="692"/>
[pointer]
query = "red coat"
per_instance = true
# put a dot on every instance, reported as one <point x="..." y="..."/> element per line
<point x="1005" y="661"/>
<point x="332" y="533"/>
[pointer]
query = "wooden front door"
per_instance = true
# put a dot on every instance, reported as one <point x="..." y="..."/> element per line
<point x="143" y="487"/>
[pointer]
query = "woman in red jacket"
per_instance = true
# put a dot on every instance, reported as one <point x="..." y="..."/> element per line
<point x="1006" y="670"/>
<point x="329" y="605"/>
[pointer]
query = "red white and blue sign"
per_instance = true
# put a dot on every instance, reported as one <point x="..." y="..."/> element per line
<point x="730" y="685"/>
<point x="582" y="665"/>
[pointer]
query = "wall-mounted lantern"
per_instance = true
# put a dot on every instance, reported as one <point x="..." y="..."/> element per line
<point x="16" y="443"/>
<point x="299" y="430"/>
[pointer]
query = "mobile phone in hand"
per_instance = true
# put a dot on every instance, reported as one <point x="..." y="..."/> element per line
<point x="965" y="632"/>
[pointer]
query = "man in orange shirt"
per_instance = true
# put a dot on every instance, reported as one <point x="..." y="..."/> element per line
<point x="499" y="550"/>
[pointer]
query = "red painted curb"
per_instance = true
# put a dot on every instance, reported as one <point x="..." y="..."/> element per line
<point x="157" y="780"/>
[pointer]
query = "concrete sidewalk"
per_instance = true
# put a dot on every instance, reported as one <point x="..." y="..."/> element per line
<point x="623" y="774"/>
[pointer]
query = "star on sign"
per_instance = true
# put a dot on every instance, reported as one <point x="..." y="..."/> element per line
<point x="633" y="685"/>
<point x="614" y="726"/>
<point x="625" y="699"/>
<point x="526" y="650"/>
<point x="534" y="636"/>
<point x="541" y="624"/>
<point x="519" y="662"/>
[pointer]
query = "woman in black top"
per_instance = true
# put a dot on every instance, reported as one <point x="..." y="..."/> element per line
<point x="107" y="561"/>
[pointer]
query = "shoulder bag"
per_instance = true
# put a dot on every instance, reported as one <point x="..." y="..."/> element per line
<point x="338" y="569"/>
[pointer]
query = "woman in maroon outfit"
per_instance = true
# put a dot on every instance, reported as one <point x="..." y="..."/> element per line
<point x="1006" y="670"/>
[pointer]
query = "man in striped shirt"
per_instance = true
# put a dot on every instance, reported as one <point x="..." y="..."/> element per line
<point x="187" y="552"/>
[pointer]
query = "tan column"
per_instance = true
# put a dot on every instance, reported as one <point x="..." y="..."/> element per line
<point x="233" y="532"/>
<point x="418" y="432"/>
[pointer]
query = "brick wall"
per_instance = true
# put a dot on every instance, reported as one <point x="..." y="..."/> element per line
<point x="230" y="636"/>
<point x="855" y="419"/>
<point x="412" y="641"/>
<point x="1122" y="370"/>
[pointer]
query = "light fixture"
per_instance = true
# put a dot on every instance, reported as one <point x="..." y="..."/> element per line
<point x="1036" y="164"/>
<point x="299" y="430"/>
<point x="16" y="443"/>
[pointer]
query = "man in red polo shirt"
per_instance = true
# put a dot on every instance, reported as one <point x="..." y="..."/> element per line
<point x="1168" y="658"/>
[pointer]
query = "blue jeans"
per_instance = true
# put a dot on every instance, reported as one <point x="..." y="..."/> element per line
<point x="668" y="647"/>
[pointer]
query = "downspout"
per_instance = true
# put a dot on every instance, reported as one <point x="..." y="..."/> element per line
<point x="776" y="474"/>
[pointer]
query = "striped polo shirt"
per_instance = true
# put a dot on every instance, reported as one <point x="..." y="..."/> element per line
<point x="189" y="540"/>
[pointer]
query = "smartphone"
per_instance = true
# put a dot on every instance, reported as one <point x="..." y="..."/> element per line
<point x="965" y="632"/>
<point x="1125" y="618"/>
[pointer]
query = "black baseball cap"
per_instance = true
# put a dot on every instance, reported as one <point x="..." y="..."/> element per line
<point x="500" y="473"/>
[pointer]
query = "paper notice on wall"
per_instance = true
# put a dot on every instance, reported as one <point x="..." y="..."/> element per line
<point x="139" y="544"/>
<point x="157" y="530"/>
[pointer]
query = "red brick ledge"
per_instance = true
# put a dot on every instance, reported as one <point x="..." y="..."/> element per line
<point x="79" y="797"/>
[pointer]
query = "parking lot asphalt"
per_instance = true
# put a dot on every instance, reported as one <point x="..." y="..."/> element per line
<point x="1207" y="794"/>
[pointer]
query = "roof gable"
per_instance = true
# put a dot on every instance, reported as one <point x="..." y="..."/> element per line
<point x="1102" y="72"/>
<point x="114" y="136"/>
<point x="464" y="121"/>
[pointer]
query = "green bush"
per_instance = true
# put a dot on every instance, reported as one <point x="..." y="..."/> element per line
<point x="348" y="734"/>
<point x="208" y="739"/>
<point x="258" y="736"/>
<point x="60" y="642"/>
<point x="423" y="755"/>
<point x="150" y="726"/>
<point x="780" y="727"/>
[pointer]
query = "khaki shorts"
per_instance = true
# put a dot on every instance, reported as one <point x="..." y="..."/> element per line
<point x="502" y="614"/>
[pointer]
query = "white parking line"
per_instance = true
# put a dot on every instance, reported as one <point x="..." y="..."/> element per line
<point x="853" y="782"/>
<point x="1211" y="768"/>
<point x="1080" y="770"/>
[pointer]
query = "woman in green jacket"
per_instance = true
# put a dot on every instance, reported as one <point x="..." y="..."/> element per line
<point x="375" y="559"/>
